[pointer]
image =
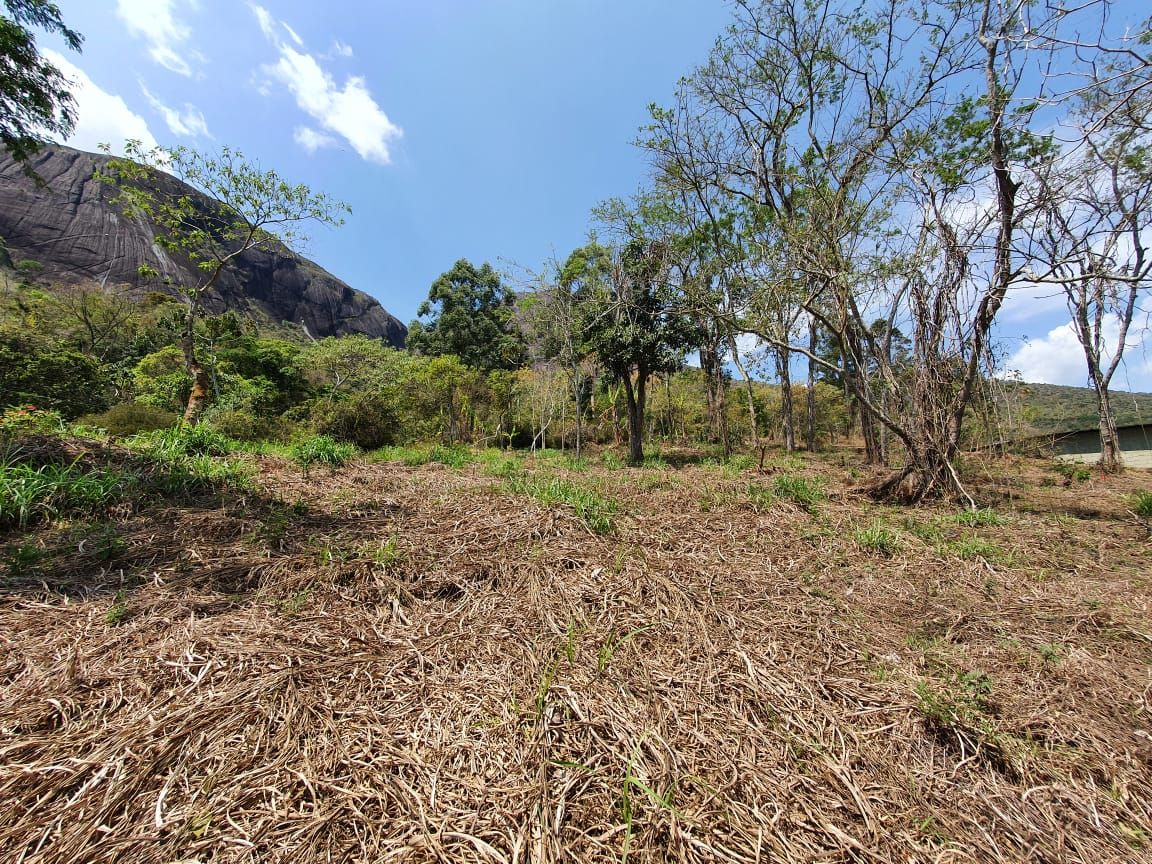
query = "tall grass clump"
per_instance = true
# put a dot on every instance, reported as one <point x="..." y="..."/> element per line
<point x="322" y="450"/>
<point x="1141" y="506"/>
<point x="878" y="538"/>
<point x="977" y="518"/>
<point x="180" y="441"/>
<point x="29" y="495"/>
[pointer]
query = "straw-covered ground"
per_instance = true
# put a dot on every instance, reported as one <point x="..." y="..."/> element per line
<point x="530" y="660"/>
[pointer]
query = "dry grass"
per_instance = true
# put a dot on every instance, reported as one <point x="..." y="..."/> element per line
<point x="411" y="664"/>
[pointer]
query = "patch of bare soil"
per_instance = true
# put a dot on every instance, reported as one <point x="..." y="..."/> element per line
<point x="415" y="664"/>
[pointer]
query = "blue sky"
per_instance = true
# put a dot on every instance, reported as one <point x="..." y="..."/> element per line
<point x="480" y="129"/>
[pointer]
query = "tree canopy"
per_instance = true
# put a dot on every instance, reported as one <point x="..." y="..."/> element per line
<point x="469" y="313"/>
<point x="35" y="99"/>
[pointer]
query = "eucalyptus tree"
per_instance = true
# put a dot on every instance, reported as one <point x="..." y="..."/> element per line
<point x="209" y="210"/>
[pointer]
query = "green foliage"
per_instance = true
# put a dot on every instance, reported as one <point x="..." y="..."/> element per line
<point x="878" y="538"/>
<point x="961" y="704"/>
<point x="131" y="418"/>
<point x="975" y="547"/>
<point x="180" y="441"/>
<point x="469" y="314"/>
<point x="160" y="379"/>
<point x="41" y="371"/>
<point x="981" y="517"/>
<point x="34" y="494"/>
<point x="596" y="511"/>
<point x="1072" y="471"/>
<point x="386" y="555"/>
<point x="1141" y="504"/>
<point x="37" y="99"/>
<point x="808" y="494"/>
<point x="117" y="613"/>
<point x="365" y="418"/>
<point x="322" y="450"/>
<point x="29" y="420"/>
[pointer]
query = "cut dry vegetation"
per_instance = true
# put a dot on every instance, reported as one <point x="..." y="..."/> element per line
<point x="442" y="662"/>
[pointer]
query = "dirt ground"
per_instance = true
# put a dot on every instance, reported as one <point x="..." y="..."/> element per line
<point x="394" y="663"/>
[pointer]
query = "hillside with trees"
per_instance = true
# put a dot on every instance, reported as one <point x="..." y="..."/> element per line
<point x="723" y="535"/>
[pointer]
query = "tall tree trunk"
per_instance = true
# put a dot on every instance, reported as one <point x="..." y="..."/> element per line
<point x="577" y="396"/>
<point x="810" y="396"/>
<point x="635" y="395"/>
<point x="716" y="389"/>
<point x="748" y="390"/>
<point x="1110" y="457"/>
<point x="787" y="408"/>
<point x="201" y="380"/>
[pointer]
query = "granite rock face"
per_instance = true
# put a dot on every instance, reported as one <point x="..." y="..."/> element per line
<point x="66" y="223"/>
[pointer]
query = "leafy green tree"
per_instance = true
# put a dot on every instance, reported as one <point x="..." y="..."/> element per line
<point x="471" y="314"/>
<point x="632" y="323"/>
<point x="35" y="99"/>
<point x="210" y="210"/>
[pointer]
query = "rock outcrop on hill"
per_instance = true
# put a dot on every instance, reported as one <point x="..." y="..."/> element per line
<point x="62" y="219"/>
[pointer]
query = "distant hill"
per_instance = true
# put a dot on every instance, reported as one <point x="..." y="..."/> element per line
<point x="66" y="224"/>
<point x="1051" y="409"/>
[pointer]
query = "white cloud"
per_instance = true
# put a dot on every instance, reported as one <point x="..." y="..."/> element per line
<point x="295" y="36"/>
<point x="341" y="49"/>
<point x="311" y="140"/>
<point x="264" y="18"/>
<point x="101" y="117"/>
<point x="1058" y="358"/>
<point x="1030" y="301"/>
<point x="156" y="23"/>
<point x="189" y="122"/>
<point x="348" y="111"/>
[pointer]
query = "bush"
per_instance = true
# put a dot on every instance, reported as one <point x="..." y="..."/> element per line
<point x="366" y="419"/>
<point x="131" y="418"/>
<point x="49" y="374"/>
<point x="29" y="420"/>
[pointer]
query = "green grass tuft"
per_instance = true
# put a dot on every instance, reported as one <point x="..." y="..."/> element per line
<point x="878" y="538"/>
<point x="799" y="490"/>
<point x="597" y="511"/>
<point x="322" y="450"/>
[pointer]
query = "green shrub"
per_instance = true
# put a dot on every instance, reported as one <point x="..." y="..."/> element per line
<point x="322" y="450"/>
<point x="366" y="419"/>
<point x="131" y="418"/>
<point x="29" y="420"/>
<point x="40" y="371"/>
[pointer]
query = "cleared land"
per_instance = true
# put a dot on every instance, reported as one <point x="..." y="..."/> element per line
<point x="394" y="662"/>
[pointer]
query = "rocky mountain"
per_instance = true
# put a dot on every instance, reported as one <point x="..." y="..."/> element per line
<point x="61" y="218"/>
